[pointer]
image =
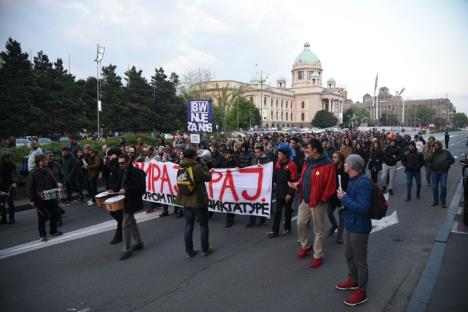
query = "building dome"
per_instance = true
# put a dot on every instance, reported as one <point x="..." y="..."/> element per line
<point x="255" y="78"/>
<point x="315" y="74"/>
<point x="331" y="81"/>
<point x="307" y="56"/>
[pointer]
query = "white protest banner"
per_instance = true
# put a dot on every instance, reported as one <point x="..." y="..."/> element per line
<point x="243" y="191"/>
<point x="195" y="138"/>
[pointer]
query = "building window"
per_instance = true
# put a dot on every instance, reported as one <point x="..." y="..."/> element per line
<point x="281" y="115"/>
<point x="271" y="102"/>
<point x="303" y="104"/>
<point x="286" y="115"/>
<point x="251" y="99"/>
<point x="300" y="75"/>
<point x="264" y="101"/>
<point x="302" y="117"/>
<point x="281" y="104"/>
<point x="271" y="115"/>
<point x="310" y="74"/>
<point x="276" y="115"/>
<point x="276" y="103"/>
<point x="286" y="104"/>
<point x="313" y="81"/>
<point x="291" y="116"/>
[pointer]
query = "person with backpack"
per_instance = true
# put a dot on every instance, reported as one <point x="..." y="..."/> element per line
<point x="132" y="183"/>
<point x="440" y="160"/>
<point x="413" y="162"/>
<point x="357" y="201"/>
<point x="192" y="195"/>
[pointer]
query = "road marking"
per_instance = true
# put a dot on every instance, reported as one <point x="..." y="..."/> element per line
<point x="69" y="236"/>
<point x="401" y="167"/>
<point x="385" y="222"/>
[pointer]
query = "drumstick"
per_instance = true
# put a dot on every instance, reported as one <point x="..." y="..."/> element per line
<point x="339" y="182"/>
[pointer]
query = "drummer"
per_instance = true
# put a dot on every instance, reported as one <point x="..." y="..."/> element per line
<point x="112" y="166"/>
<point x="41" y="180"/>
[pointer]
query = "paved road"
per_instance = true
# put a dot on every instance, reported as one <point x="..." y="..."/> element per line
<point x="247" y="272"/>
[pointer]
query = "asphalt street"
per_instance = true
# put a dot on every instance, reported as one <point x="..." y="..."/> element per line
<point x="247" y="271"/>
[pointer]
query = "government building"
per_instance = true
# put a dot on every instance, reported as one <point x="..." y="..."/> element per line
<point x="281" y="106"/>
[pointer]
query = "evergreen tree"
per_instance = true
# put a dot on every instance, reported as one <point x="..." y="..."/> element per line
<point x="115" y="112"/>
<point x="324" y="119"/>
<point x="16" y="91"/>
<point x="139" y="100"/>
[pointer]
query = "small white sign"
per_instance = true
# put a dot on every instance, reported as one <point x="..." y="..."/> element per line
<point x="195" y="138"/>
<point x="99" y="105"/>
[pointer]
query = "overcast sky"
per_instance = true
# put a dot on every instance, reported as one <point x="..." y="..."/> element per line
<point x="419" y="45"/>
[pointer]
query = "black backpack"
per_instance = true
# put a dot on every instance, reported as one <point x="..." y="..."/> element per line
<point x="379" y="205"/>
<point x="185" y="181"/>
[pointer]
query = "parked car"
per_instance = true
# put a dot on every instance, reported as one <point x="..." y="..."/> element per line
<point x="44" y="141"/>
<point x="64" y="139"/>
<point x="21" y="142"/>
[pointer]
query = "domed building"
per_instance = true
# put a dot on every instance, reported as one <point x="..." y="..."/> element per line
<point x="281" y="106"/>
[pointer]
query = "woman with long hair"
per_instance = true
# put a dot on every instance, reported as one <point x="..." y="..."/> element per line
<point x="376" y="160"/>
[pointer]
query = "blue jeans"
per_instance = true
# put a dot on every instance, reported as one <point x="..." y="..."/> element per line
<point x="439" y="176"/>
<point x="202" y="216"/>
<point x="409" y="181"/>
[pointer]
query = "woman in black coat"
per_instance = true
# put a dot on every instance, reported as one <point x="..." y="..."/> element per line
<point x="376" y="160"/>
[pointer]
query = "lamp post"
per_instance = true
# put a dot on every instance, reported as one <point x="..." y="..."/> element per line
<point x="99" y="56"/>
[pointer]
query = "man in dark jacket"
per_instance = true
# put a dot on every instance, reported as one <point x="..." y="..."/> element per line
<point x="245" y="156"/>
<point x="40" y="180"/>
<point x="133" y="186"/>
<point x="229" y="162"/>
<point x="447" y="139"/>
<point x="8" y="186"/>
<point x="195" y="204"/>
<point x="440" y="161"/>
<point x="357" y="202"/>
<point x="392" y="154"/>
<point x="413" y="162"/>
<point x="70" y="170"/>
<point x="216" y="156"/>
<point x="285" y="171"/>
<point x="299" y="158"/>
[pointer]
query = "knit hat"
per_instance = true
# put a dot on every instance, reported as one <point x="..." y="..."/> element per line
<point x="356" y="162"/>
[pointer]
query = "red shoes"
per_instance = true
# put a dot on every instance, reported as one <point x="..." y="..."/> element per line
<point x="303" y="252"/>
<point x="357" y="297"/>
<point x="316" y="262"/>
<point x="346" y="285"/>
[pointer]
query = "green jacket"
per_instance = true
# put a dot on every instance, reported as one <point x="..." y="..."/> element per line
<point x="440" y="161"/>
<point x="201" y="174"/>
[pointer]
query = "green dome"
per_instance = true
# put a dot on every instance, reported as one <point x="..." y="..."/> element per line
<point x="256" y="78"/>
<point x="307" y="56"/>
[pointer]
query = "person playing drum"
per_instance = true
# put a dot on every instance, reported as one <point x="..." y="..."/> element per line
<point x="41" y="188"/>
<point x="114" y="185"/>
<point x="133" y="186"/>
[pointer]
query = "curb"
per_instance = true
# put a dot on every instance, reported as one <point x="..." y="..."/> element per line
<point x="421" y="296"/>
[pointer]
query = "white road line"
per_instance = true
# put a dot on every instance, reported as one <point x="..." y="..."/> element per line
<point x="69" y="236"/>
<point x="401" y="167"/>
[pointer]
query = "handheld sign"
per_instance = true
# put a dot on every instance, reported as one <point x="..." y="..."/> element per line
<point x="200" y="115"/>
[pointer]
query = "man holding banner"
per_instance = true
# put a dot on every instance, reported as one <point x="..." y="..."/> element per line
<point x="193" y="197"/>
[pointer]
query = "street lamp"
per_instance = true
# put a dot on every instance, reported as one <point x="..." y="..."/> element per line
<point x="99" y="56"/>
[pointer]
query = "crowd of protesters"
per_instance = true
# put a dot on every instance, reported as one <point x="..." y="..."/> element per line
<point x="317" y="174"/>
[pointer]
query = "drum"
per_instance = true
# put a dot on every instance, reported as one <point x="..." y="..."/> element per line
<point x="101" y="198"/>
<point x="115" y="203"/>
<point x="50" y="194"/>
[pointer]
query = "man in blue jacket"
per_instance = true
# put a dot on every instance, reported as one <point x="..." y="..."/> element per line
<point x="357" y="202"/>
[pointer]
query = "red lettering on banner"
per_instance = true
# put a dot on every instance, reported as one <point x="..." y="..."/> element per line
<point x="149" y="177"/>
<point x="176" y="166"/>
<point x="165" y="179"/>
<point x="254" y="170"/>
<point x="214" y="180"/>
<point x="229" y="183"/>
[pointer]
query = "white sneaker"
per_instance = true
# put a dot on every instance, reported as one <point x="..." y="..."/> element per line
<point x="90" y="202"/>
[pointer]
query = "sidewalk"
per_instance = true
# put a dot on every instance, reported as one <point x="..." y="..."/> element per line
<point x="451" y="290"/>
<point x="443" y="285"/>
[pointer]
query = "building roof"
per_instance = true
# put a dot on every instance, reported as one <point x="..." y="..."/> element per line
<point x="315" y="74"/>
<point x="307" y="56"/>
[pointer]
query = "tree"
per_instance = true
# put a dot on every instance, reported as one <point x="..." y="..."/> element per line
<point x="114" y="109"/>
<point x="460" y="120"/>
<point x="218" y="117"/>
<point x="424" y="114"/>
<point x="247" y="111"/>
<point x="16" y="97"/>
<point x="171" y="109"/>
<point x="324" y="119"/>
<point x="139" y="100"/>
